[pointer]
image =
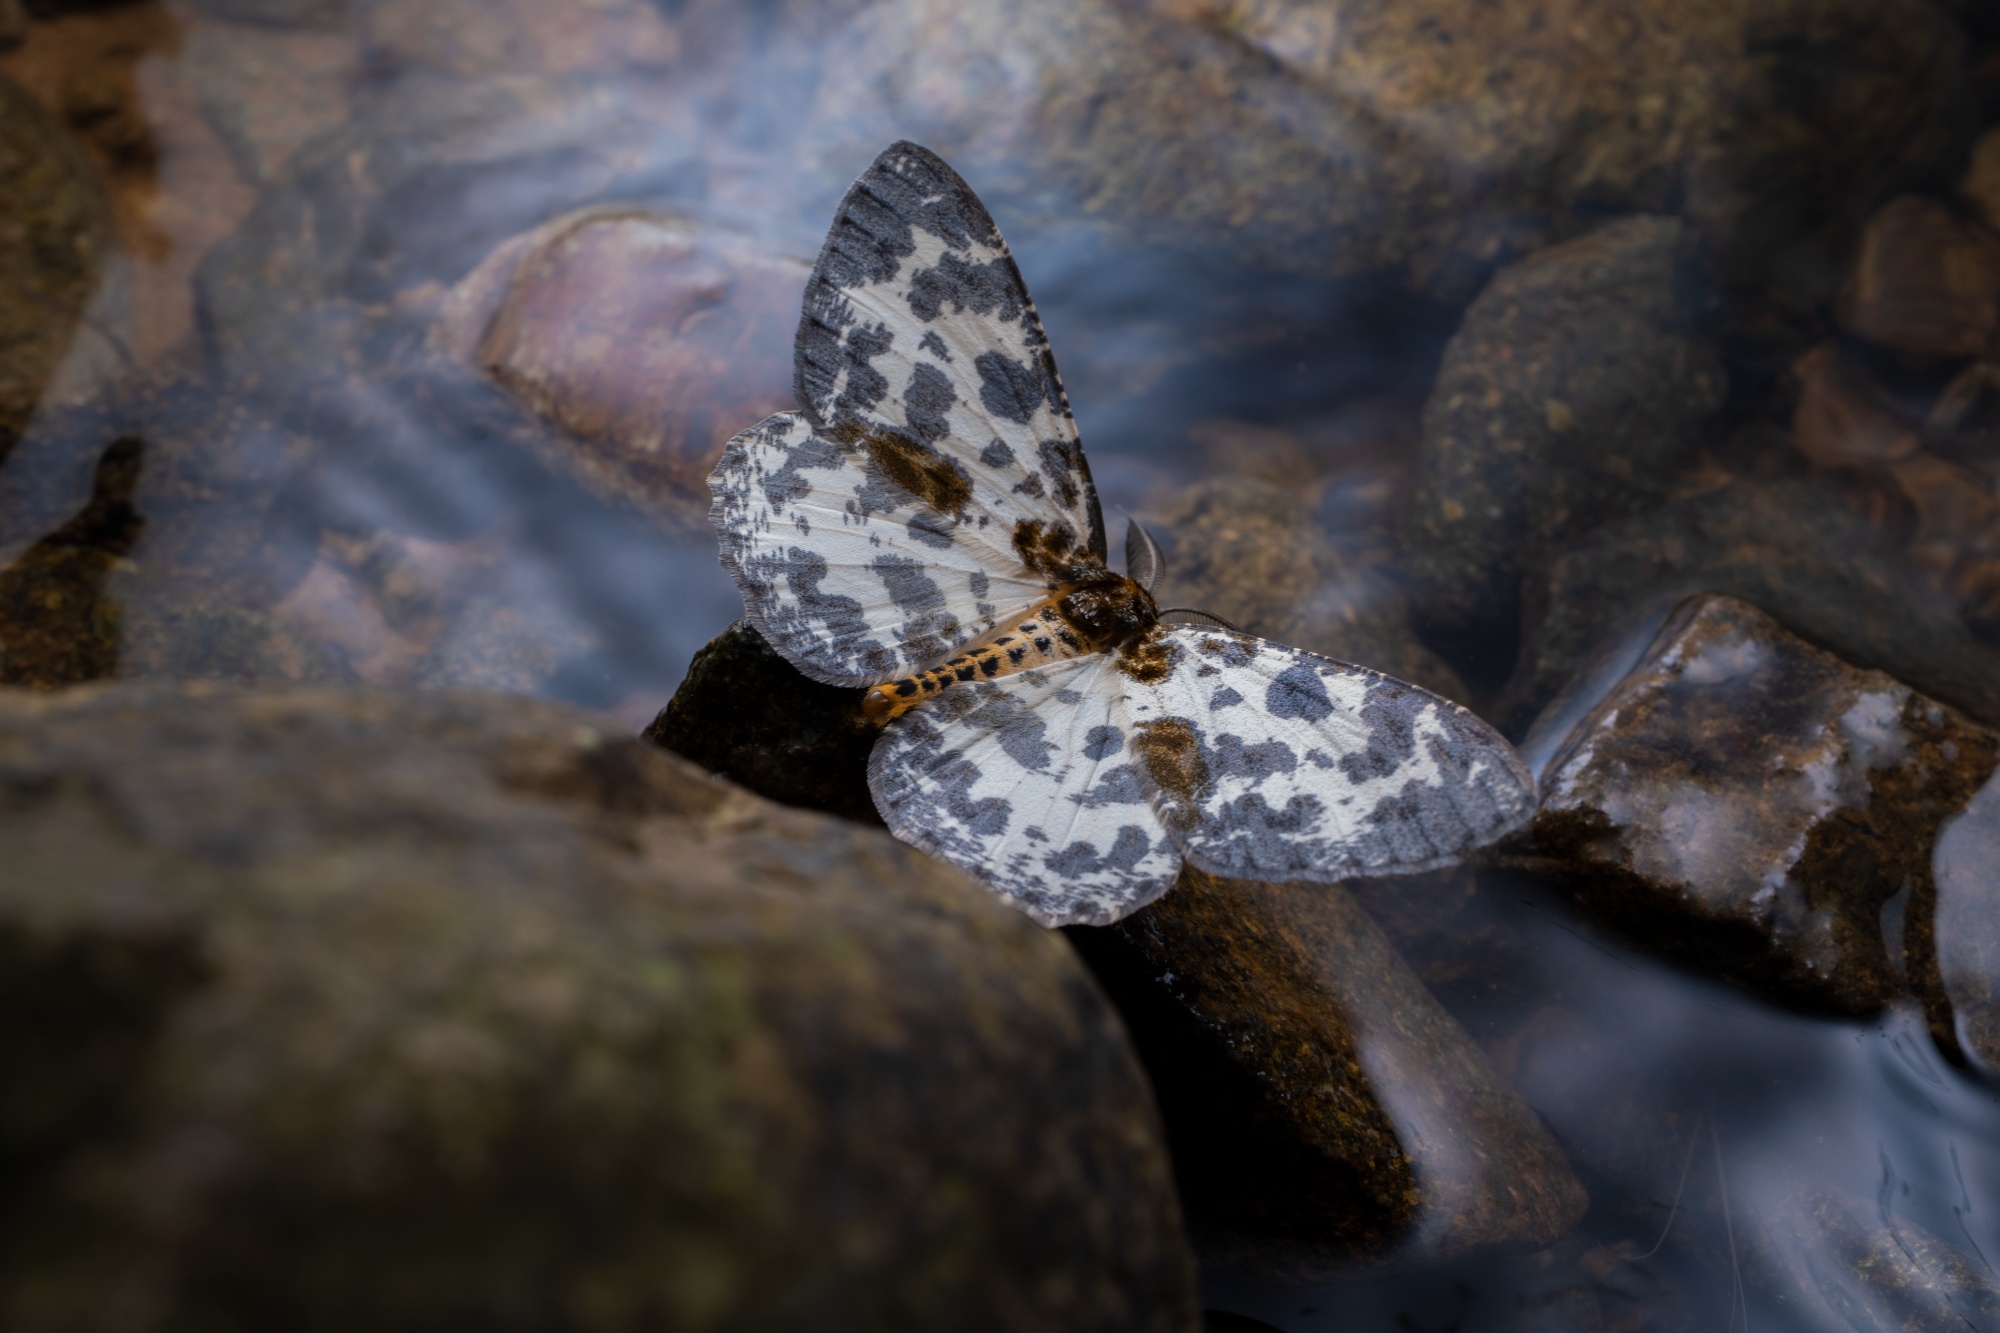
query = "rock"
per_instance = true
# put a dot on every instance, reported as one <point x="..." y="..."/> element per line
<point x="1762" y="809"/>
<point x="1788" y="546"/>
<point x="646" y="342"/>
<point x="1837" y="423"/>
<point x="266" y="90"/>
<point x="1326" y="1114"/>
<point x="1925" y="282"/>
<point x="1246" y="548"/>
<point x="58" y="626"/>
<point x="747" y="714"/>
<point x="473" y="39"/>
<point x="1979" y="187"/>
<point x="422" y="1010"/>
<point x="1571" y="395"/>
<point x="55" y="236"/>
<point x="1856" y="1265"/>
<point x="324" y="14"/>
<point x="1446" y="135"/>
<point x="1967" y="867"/>
<point x="13" y="24"/>
<point x="494" y="644"/>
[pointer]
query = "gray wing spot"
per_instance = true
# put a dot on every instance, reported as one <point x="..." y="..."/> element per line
<point x="1101" y="741"/>
<point x="926" y="402"/>
<point x="1298" y="693"/>
<point x="1008" y="389"/>
<point x="935" y="346"/>
<point x="997" y="455"/>
<point x="1226" y="697"/>
<point x="1389" y="711"/>
<point x="990" y="290"/>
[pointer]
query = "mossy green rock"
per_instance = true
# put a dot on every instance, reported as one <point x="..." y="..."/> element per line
<point x="333" y="1008"/>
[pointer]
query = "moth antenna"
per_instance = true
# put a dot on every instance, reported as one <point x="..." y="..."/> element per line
<point x="1143" y="561"/>
<point x="1187" y="615"/>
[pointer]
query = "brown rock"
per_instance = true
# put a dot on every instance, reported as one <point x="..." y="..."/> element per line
<point x="426" y="1010"/>
<point x="58" y="624"/>
<point x="1855" y="1265"/>
<point x="1326" y="1113"/>
<point x="266" y="90"/>
<point x="1433" y="133"/>
<point x="1925" y="282"/>
<point x="1980" y="185"/>
<point x="55" y="232"/>
<point x="1761" y="808"/>
<point x="745" y="713"/>
<point x="1246" y="548"/>
<point x="471" y="39"/>
<point x="1791" y="547"/>
<point x="1967" y="866"/>
<point x="1836" y="422"/>
<point x="13" y="24"/>
<point x="647" y="343"/>
<point x="1571" y="395"/>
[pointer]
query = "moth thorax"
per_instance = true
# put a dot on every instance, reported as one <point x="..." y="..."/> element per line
<point x="1106" y="612"/>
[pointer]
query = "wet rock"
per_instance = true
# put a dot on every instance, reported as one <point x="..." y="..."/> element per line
<point x="1838" y="423"/>
<point x="645" y="340"/>
<point x="1967" y="867"/>
<point x="1979" y="187"/>
<point x="470" y="39"/>
<point x="1759" y="807"/>
<point x="1925" y="282"/>
<point x="745" y="713"/>
<point x="266" y="90"/>
<point x="1571" y="395"/>
<point x="55" y="234"/>
<point x="1434" y="134"/>
<point x="1246" y="548"/>
<point x="405" y="1011"/>
<point x="325" y="14"/>
<point x="1856" y="1265"/>
<point x="1326" y="1114"/>
<point x="58" y="625"/>
<point x="494" y="644"/>
<point x="1790" y="547"/>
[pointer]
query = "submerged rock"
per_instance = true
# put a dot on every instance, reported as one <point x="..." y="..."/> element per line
<point x="1855" y="1265"/>
<point x="645" y="340"/>
<point x="1755" y="805"/>
<point x="745" y="713"/>
<point x="1571" y="396"/>
<point x="1326" y="1114"/>
<point x="1442" y="134"/>
<point x="1790" y="547"/>
<point x="407" y="1011"/>
<point x="55" y="235"/>
<point x="1925" y="282"/>
<point x="1967" y="866"/>
<point x="1247" y="549"/>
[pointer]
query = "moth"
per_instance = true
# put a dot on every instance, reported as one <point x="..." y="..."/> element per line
<point x="925" y="526"/>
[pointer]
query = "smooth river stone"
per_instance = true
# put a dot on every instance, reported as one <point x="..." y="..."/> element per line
<point x="1762" y="809"/>
<point x="1967" y="867"/>
<point x="1327" y="1116"/>
<point x="450" y="1010"/>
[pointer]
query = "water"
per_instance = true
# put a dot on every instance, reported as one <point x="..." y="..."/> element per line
<point x="404" y="523"/>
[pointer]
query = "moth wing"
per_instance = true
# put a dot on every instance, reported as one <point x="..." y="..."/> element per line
<point x="1267" y="762"/>
<point x="851" y="577"/>
<point x="918" y="334"/>
<point x="1023" y="782"/>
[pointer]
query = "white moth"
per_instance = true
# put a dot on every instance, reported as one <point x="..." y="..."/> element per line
<point x="926" y="526"/>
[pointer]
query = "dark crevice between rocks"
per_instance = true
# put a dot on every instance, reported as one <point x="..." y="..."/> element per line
<point x="57" y="625"/>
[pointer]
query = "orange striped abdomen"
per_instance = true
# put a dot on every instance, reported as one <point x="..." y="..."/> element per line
<point x="1038" y="636"/>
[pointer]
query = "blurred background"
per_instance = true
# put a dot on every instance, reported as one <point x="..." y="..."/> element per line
<point x="390" y="342"/>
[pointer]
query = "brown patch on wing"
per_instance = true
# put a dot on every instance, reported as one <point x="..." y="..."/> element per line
<point x="1171" y="753"/>
<point x="1054" y="553"/>
<point x="1150" y="658"/>
<point x="922" y="472"/>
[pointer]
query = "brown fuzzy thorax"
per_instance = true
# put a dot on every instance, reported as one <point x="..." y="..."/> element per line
<point x="1097" y="614"/>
